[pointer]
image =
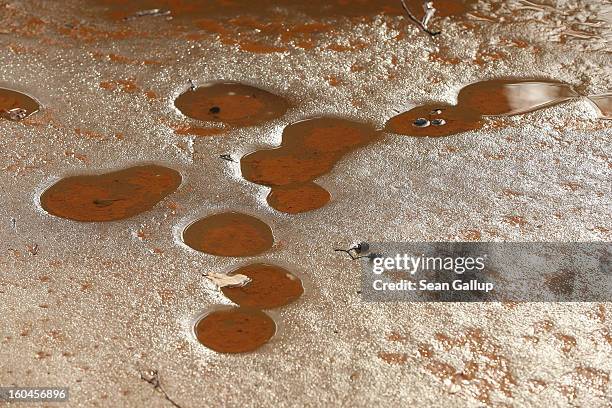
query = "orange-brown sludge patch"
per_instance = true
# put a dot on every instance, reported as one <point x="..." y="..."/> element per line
<point x="479" y="100"/>
<point x="111" y="196"/>
<point x="261" y="27"/>
<point x="393" y="358"/>
<point x="309" y="149"/>
<point x="229" y="234"/>
<point x="271" y="286"/>
<point x="122" y="59"/>
<point x="194" y="9"/>
<point x="231" y="103"/>
<point x="126" y="85"/>
<point x="16" y="106"/>
<point x="235" y="330"/>
<point x="257" y="47"/>
<point x="271" y="26"/>
<point x="93" y="34"/>
<point x="267" y="35"/>
<point x="197" y="131"/>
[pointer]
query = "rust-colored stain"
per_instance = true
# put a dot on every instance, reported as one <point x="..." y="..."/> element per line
<point x="229" y="234"/>
<point x="185" y="10"/>
<point x="568" y="342"/>
<point x="92" y="34"/>
<point x="516" y="220"/>
<point x="393" y="358"/>
<point x="443" y="57"/>
<point x="263" y="35"/>
<point x="231" y="103"/>
<point x="253" y="27"/>
<point x="485" y="371"/>
<point x="426" y="350"/>
<point x="256" y="47"/>
<point x="126" y="85"/>
<point x="471" y="235"/>
<point x="110" y="196"/>
<point x="197" y="131"/>
<point x="309" y="149"/>
<point x="235" y="330"/>
<point x="16" y="106"/>
<point x="271" y="286"/>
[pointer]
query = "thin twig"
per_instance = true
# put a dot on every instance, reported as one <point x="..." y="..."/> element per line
<point x="418" y="22"/>
<point x="228" y="158"/>
<point x="347" y="251"/>
<point x="152" y="377"/>
<point x="360" y="248"/>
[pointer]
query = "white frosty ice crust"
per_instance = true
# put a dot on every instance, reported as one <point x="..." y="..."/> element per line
<point x="94" y="305"/>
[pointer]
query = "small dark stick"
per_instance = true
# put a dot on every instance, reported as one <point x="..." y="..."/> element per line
<point x="152" y="377"/>
<point x="371" y="257"/>
<point x="228" y="158"/>
<point x="348" y="251"/>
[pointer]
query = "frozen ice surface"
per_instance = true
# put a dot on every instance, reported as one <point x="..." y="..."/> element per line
<point x="89" y="306"/>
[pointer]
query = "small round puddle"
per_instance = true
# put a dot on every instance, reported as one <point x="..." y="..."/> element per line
<point x="271" y="286"/>
<point x="231" y="103"/>
<point x="235" y="330"/>
<point x="229" y="234"/>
